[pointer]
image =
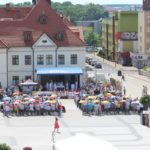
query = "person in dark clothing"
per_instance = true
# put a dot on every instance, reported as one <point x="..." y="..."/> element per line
<point x="123" y="77"/>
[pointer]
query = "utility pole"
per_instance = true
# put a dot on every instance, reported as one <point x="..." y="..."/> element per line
<point x="113" y="37"/>
<point x="107" y="44"/>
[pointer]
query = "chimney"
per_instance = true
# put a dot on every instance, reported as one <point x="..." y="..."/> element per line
<point x="49" y="2"/>
<point x="34" y="2"/>
<point x="8" y="6"/>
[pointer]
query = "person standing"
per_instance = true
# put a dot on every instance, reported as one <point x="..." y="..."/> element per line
<point x="124" y="91"/>
<point x="59" y="109"/>
<point x="56" y="125"/>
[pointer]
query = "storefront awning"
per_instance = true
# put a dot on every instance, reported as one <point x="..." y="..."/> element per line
<point x="59" y="71"/>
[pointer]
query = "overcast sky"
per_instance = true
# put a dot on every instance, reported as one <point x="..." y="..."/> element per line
<point x="83" y="1"/>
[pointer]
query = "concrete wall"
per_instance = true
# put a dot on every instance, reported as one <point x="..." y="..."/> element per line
<point x="144" y="73"/>
<point x="141" y="32"/>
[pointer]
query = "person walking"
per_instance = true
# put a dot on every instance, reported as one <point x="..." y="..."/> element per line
<point x="56" y="125"/>
<point x="56" y="128"/>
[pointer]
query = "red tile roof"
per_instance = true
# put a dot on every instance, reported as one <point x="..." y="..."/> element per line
<point x="11" y="31"/>
<point x="14" y="12"/>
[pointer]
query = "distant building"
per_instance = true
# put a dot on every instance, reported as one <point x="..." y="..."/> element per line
<point x="142" y="58"/>
<point x="95" y="25"/>
<point x="120" y="36"/>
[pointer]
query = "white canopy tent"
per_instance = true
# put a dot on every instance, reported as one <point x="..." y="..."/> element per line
<point x="28" y="86"/>
<point x="83" y="142"/>
<point x="28" y="82"/>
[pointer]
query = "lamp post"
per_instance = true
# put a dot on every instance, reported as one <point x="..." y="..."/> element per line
<point x="96" y="76"/>
<point x="103" y="53"/>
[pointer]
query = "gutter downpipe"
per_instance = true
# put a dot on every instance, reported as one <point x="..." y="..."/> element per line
<point x="56" y="53"/>
<point x="33" y="62"/>
<point x="7" y="64"/>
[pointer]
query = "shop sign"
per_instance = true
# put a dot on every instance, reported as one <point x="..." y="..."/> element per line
<point x="133" y="36"/>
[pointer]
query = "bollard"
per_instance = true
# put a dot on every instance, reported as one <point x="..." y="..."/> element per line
<point x="27" y="148"/>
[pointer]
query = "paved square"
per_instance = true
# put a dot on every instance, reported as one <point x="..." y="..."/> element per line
<point x="123" y="131"/>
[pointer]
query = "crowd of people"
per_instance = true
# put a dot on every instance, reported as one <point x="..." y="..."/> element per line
<point x="97" y="106"/>
<point x="98" y="99"/>
<point x="28" y="105"/>
<point x="92" y="99"/>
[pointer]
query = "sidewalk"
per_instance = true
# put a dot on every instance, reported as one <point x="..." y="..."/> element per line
<point x="125" y="68"/>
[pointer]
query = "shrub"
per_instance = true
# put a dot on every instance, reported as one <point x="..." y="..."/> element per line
<point x="145" y="100"/>
<point x="4" y="147"/>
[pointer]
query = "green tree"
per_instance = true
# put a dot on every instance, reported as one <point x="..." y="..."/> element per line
<point x="4" y="147"/>
<point x="80" y="12"/>
<point x="91" y="39"/>
<point x="145" y="100"/>
<point x="93" y="12"/>
<point x="75" y="12"/>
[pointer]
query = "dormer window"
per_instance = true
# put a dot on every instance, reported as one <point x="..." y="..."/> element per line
<point x="44" y="41"/>
<point x="27" y="36"/>
<point x="43" y="18"/>
<point x="59" y="36"/>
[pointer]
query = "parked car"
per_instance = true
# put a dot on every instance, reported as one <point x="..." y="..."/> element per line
<point x="93" y="62"/>
<point x="86" y="59"/>
<point x="98" y="65"/>
<point x="90" y="60"/>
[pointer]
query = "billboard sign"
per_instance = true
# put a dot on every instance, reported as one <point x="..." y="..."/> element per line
<point x="131" y="36"/>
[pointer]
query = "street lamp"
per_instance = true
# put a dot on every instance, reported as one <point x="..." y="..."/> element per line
<point x="103" y="53"/>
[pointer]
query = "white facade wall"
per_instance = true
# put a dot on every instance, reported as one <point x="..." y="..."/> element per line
<point x="20" y="70"/>
<point x="67" y="51"/>
<point x="44" y="51"/>
<point x="141" y="32"/>
<point x="3" y="67"/>
<point x="23" y="70"/>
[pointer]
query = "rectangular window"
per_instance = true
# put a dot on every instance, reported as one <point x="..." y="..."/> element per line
<point x="148" y="40"/>
<point x="40" y="59"/>
<point x="141" y="48"/>
<point x="15" y="80"/>
<point x="140" y="39"/>
<point x="15" y="60"/>
<point x="49" y="59"/>
<point x="74" y="59"/>
<point x="27" y="77"/>
<point x="27" y="59"/>
<point x="148" y="29"/>
<point x="61" y="59"/>
<point x="140" y="28"/>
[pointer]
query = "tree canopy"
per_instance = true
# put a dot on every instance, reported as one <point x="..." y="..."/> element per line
<point x="92" y="39"/>
<point x="80" y="12"/>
